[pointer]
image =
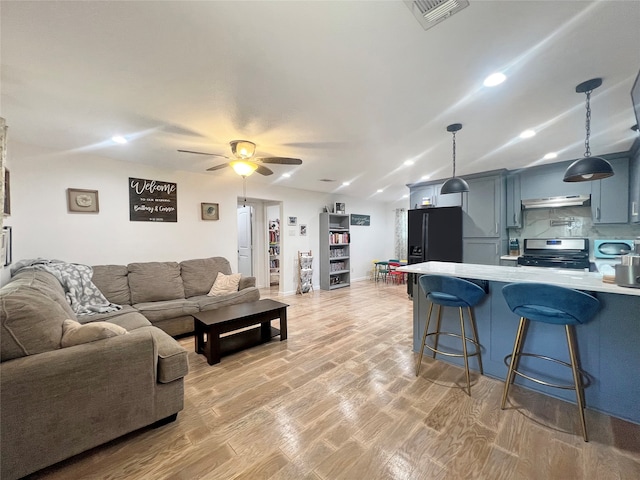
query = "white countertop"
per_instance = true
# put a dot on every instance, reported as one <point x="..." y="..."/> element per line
<point x="563" y="277"/>
<point x="509" y="257"/>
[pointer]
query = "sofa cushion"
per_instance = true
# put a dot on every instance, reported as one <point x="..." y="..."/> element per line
<point x="198" y="275"/>
<point x="225" y="284"/>
<point x="74" y="333"/>
<point x="155" y="281"/>
<point x="205" y="302"/>
<point x="172" y="357"/>
<point x="246" y="282"/>
<point x="131" y="320"/>
<point x="30" y="322"/>
<point x="106" y="316"/>
<point x="112" y="281"/>
<point x="155" y="311"/>
<point x="45" y="283"/>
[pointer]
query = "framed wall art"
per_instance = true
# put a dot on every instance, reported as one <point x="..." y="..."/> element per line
<point x="152" y="200"/>
<point x="340" y="208"/>
<point x="209" y="211"/>
<point x="82" y="201"/>
<point x="362" y="220"/>
<point x="303" y="230"/>
<point x="7" y="193"/>
<point x="292" y="221"/>
<point x="7" y="246"/>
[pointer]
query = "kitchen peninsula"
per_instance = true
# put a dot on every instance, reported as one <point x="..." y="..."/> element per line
<point x="609" y="345"/>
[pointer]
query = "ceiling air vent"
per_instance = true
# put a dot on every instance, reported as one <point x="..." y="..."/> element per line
<point x="432" y="12"/>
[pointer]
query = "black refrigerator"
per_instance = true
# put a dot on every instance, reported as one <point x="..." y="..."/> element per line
<point x="434" y="234"/>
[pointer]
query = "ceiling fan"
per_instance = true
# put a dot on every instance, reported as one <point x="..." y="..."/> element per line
<point x="244" y="162"/>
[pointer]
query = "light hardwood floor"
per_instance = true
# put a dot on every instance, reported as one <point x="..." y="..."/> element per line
<point x="339" y="400"/>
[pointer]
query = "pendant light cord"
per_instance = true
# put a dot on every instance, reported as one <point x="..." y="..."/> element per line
<point x="454" y="153"/>
<point x="587" y="152"/>
<point x="244" y="189"/>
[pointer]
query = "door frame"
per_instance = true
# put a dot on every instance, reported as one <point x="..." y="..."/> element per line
<point x="260" y="241"/>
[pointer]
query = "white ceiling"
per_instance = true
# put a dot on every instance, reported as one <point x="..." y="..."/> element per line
<point x="353" y="88"/>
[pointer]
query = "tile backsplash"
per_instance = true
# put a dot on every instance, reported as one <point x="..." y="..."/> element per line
<point x="568" y="222"/>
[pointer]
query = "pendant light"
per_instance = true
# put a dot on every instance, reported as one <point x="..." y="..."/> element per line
<point x="454" y="184"/>
<point x="588" y="168"/>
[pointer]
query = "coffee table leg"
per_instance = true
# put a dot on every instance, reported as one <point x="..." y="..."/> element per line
<point x="212" y="347"/>
<point x="265" y="331"/>
<point x="283" y="323"/>
<point x="199" y="337"/>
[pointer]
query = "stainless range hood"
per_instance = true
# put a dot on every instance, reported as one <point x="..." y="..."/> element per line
<point x="556" y="202"/>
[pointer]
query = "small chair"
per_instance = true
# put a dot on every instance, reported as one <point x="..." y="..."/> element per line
<point x="555" y="305"/>
<point x="382" y="270"/>
<point x="394" y="274"/>
<point x="451" y="292"/>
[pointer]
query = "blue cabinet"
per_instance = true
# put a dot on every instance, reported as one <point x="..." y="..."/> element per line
<point x="482" y="206"/>
<point x="514" y="201"/>
<point x="546" y="181"/>
<point x="610" y="196"/>
<point x="423" y="195"/>
<point x="429" y="194"/>
<point x="482" y="251"/>
<point x="634" y="183"/>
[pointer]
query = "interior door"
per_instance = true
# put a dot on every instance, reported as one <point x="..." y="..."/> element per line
<point x="245" y="244"/>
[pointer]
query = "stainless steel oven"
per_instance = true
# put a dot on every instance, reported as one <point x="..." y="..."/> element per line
<point x="556" y="253"/>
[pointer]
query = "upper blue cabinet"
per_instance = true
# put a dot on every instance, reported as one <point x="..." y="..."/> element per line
<point x="610" y="196"/>
<point x="514" y="201"/>
<point x="546" y="181"/>
<point x="634" y="183"/>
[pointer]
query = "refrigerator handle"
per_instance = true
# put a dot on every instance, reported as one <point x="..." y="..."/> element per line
<point x="425" y="233"/>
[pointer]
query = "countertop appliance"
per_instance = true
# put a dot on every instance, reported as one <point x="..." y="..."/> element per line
<point x="628" y="272"/>
<point x="607" y="253"/>
<point x="434" y="234"/>
<point x="556" y="253"/>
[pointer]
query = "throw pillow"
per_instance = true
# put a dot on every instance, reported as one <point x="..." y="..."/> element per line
<point x="225" y="284"/>
<point x="74" y="333"/>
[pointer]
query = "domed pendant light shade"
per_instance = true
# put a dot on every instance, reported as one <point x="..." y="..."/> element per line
<point x="588" y="168"/>
<point x="454" y="184"/>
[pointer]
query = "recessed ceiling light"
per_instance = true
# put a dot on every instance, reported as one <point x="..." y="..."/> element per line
<point x="379" y="190"/>
<point x="550" y="155"/>
<point x="408" y="163"/>
<point x="528" y="134"/>
<point x="405" y="196"/>
<point x="494" y="79"/>
<point x="119" y="139"/>
<point x="346" y="184"/>
<point x="286" y="175"/>
<point x="425" y="177"/>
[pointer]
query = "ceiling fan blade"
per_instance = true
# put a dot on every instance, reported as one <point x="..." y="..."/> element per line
<point x="203" y="153"/>
<point x="262" y="170"/>
<point x="217" y="167"/>
<point x="280" y="160"/>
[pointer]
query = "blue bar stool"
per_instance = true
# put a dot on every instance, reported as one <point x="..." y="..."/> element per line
<point x="549" y="304"/>
<point x="451" y="292"/>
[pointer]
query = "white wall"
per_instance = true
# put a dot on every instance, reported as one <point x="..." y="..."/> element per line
<point x="42" y="227"/>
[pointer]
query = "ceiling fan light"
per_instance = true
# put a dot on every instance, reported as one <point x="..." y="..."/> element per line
<point x="243" y="168"/>
<point x="242" y="148"/>
<point x="588" y="169"/>
<point x="454" y="185"/>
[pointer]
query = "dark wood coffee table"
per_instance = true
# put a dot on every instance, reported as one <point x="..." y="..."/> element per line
<point x="234" y="317"/>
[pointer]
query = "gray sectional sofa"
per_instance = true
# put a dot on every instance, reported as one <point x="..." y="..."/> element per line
<point x="57" y="402"/>
<point x="168" y="293"/>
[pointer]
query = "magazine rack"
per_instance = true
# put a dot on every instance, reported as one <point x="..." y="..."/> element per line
<point x="305" y="272"/>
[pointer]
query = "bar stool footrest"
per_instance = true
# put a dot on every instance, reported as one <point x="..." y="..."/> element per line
<point x="583" y="375"/>
<point x="449" y="354"/>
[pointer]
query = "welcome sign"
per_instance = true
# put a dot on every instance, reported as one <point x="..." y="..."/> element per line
<point x="152" y="201"/>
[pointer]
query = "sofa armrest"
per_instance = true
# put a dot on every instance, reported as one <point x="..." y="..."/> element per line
<point x="62" y="402"/>
<point x="246" y="282"/>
